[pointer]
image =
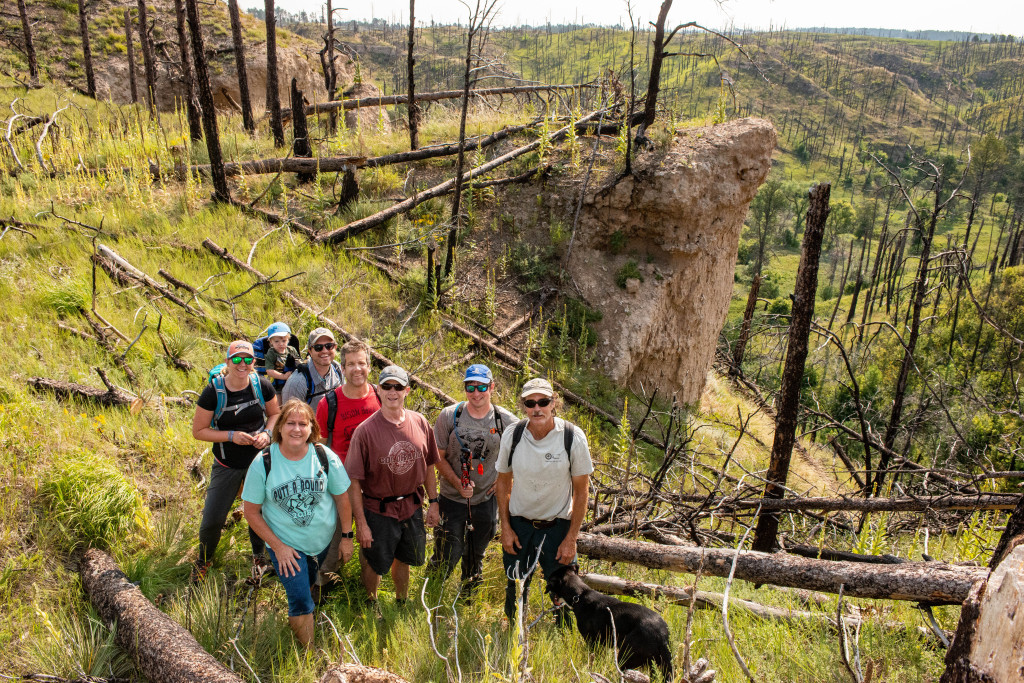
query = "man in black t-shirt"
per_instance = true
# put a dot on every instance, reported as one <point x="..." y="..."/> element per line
<point x="238" y="432"/>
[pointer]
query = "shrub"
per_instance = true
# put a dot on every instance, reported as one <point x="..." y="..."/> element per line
<point x="779" y="307"/>
<point x="630" y="270"/>
<point x="769" y="285"/>
<point x="91" y="503"/>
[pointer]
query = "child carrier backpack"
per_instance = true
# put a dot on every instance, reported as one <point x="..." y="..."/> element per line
<point x="261" y="346"/>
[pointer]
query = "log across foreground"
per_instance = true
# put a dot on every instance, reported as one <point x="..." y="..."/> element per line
<point x="928" y="582"/>
<point x="162" y="649"/>
<point x="987" y="501"/>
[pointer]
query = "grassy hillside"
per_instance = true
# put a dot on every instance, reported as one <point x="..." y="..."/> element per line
<point x="131" y="479"/>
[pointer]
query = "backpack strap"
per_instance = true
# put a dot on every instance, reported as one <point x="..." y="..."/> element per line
<point x="222" y="399"/>
<point x="303" y="370"/>
<point x="321" y="455"/>
<point x="499" y="424"/>
<point x="455" y="423"/>
<point x="254" y="382"/>
<point x="332" y="413"/>
<point x="266" y="462"/>
<point x="568" y="435"/>
<point x="517" y="436"/>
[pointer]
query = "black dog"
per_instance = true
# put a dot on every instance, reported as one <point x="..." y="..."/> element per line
<point x="641" y="633"/>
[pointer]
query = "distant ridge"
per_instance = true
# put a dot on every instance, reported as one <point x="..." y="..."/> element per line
<point x="912" y="35"/>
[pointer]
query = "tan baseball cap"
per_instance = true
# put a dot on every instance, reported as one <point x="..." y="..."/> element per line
<point x="537" y="385"/>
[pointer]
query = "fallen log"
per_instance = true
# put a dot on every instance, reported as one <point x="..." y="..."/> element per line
<point x="991" y="501"/>
<point x="390" y="100"/>
<point x="128" y="270"/>
<point x="111" y="396"/>
<point x="162" y="649"/>
<point x="928" y="582"/>
<point x="379" y="218"/>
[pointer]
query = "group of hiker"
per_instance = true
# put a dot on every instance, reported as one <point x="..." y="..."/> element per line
<point x="315" y="447"/>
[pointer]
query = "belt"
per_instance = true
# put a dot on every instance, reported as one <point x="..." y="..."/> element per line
<point x="541" y="523"/>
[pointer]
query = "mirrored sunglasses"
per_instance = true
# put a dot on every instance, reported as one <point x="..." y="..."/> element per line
<point x="248" y="360"/>
<point x="482" y="388"/>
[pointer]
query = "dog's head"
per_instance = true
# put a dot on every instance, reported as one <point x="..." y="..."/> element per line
<point x="566" y="584"/>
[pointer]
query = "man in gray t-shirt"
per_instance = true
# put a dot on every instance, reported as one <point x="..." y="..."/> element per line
<point x="321" y="373"/>
<point x="468" y="435"/>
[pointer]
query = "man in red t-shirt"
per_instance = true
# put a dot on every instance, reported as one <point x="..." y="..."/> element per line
<point x="390" y="460"/>
<point x="352" y="403"/>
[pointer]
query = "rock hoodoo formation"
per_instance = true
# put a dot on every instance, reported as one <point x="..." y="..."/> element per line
<point x="669" y="234"/>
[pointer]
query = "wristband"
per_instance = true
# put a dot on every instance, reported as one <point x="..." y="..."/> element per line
<point x="231" y="436"/>
<point x="348" y="534"/>
<point x="431" y="500"/>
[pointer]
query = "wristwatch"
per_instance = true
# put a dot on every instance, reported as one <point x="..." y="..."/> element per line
<point x="431" y="500"/>
<point x="348" y="534"/>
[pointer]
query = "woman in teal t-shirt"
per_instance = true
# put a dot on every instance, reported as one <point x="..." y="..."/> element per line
<point x="293" y="500"/>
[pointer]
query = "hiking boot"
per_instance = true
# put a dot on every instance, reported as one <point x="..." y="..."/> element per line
<point x="199" y="572"/>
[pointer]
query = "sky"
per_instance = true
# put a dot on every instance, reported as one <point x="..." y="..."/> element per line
<point x="979" y="16"/>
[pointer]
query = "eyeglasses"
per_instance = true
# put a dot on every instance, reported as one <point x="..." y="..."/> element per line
<point x="391" y="387"/>
<point x="543" y="403"/>
<point x="482" y="388"/>
<point x="248" y="360"/>
<point x="330" y="346"/>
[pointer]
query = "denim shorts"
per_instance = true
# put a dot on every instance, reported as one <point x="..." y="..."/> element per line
<point x="297" y="586"/>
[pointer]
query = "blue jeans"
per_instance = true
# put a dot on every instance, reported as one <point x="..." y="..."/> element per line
<point x="530" y="539"/>
<point x="297" y="586"/>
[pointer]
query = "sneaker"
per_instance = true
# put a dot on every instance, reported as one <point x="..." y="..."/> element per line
<point x="199" y="572"/>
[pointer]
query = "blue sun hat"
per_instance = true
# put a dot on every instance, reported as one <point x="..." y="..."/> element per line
<point x="279" y="329"/>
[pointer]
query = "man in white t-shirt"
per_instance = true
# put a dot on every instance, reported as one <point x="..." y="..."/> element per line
<point x="544" y="469"/>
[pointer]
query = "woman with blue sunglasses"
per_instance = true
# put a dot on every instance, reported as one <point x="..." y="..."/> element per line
<point x="236" y="412"/>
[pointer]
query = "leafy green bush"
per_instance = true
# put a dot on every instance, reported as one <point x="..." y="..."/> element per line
<point x="779" y="307"/>
<point x="91" y="503"/>
<point x="769" y="286"/>
<point x="630" y="270"/>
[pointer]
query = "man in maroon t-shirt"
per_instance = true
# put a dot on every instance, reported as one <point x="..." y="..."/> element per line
<point x="353" y="402"/>
<point x="390" y="460"/>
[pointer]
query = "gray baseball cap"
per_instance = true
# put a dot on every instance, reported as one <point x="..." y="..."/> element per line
<point x="320" y="332"/>
<point x="537" y="385"/>
<point x="395" y="374"/>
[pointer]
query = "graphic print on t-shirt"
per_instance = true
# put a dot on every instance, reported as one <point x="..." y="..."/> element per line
<point x="299" y="497"/>
<point x="401" y="458"/>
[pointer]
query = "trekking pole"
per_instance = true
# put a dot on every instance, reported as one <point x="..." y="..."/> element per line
<point x="469" y="508"/>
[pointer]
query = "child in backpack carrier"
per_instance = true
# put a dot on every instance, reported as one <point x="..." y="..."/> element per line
<point x="280" y="358"/>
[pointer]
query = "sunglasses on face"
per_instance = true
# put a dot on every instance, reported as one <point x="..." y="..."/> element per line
<point x="392" y="387"/>
<point x="330" y="346"/>
<point x="248" y="360"/>
<point x="543" y="403"/>
<point x="482" y="388"/>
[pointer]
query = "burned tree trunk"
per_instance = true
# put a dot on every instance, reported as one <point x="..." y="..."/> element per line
<point x="195" y="124"/>
<point x="148" y="61"/>
<point x="414" y="108"/>
<point x="248" y="122"/>
<point x="765" y="537"/>
<point x="130" y="42"/>
<point x="748" y="314"/>
<point x="30" y="50"/>
<point x="327" y="61"/>
<point x="162" y="649"/>
<point x="220" y="181"/>
<point x="83" y="31"/>
<point x="273" y="94"/>
<point x="657" y="55"/>
<point x="300" y="131"/>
